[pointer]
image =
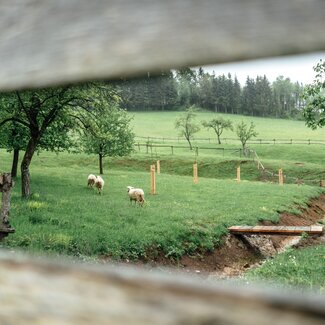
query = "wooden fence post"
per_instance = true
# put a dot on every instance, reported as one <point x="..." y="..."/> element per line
<point x="6" y="184"/>
<point x="322" y="183"/>
<point x="238" y="174"/>
<point x="195" y="173"/>
<point x="152" y="180"/>
<point x="280" y="177"/>
<point x="158" y="167"/>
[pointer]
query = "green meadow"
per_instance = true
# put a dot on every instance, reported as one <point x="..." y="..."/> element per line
<point x="64" y="216"/>
<point x="162" y="124"/>
<point x="298" y="161"/>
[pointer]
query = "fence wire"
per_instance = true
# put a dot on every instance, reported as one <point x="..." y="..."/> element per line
<point x="266" y="174"/>
<point x="233" y="140"/>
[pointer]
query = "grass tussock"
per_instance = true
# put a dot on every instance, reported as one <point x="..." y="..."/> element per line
<point x="303" y="268"/>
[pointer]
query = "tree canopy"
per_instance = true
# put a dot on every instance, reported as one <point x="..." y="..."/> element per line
<point x="314" y="95"/>
<point x="218" y="125"/>
<point x="110" y="133"/>
<point x="42" y="113"/>
<point x="245" y="132"/>
<point x="187" y="126"/>
<point x="45" y="118"/>
<point x="170" y="90"/>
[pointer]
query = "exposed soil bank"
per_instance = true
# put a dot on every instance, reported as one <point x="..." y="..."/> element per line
<point x="234" y="256"/>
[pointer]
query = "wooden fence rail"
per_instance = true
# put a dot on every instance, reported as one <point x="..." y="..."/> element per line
<point x="6" y="184"/>
<point x="46" y="43"/>
<point x="37" y="291"/>
<point x="55" y="42"/>
<point x="150" y="140"/>
<point x="196" y="150"/>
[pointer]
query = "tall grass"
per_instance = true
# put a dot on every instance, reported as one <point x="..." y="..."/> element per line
<point x="303" y="268"/>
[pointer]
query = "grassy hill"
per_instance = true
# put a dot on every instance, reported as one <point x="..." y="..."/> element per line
<point x="162" y="124"/>
<point x="299" y="161"/>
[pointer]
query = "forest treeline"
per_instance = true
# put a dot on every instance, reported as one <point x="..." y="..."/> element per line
<point x="172" y="90"/>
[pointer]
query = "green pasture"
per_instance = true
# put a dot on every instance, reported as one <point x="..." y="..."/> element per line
<point x="162" y="124"/>
<point x="298" y="161"/>
<point x="64" y="216"/>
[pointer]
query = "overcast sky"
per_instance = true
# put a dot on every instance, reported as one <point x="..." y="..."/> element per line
<point x="297" y="68"/>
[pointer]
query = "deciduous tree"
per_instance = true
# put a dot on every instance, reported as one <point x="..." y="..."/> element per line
<point x="218" y="125"/>
<point x="244" y="133"/>
<point x="187" y="126"/>
<point x="41" y="112"/>
<point x="314" y="95"/>
<point x="110" y="133"/>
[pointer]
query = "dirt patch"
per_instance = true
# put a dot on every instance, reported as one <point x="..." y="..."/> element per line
<point x="299" y="164"/>
<point x="230" y="259"/>
<point x="234" y="257"/>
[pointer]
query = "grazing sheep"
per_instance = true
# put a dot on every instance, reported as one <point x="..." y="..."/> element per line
<point x="99" y="183"/>
<point x="136" y="194"/>
<point x="91" y="180"/>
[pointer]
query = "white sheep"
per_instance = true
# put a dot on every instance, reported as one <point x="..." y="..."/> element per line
<point x="91" y="180"/>
<point x="136" y="194"/>
<point x="99" y="183"/>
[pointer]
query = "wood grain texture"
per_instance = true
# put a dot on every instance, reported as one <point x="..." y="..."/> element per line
<point x="6" y="184"/>
<point x="277" y="230"/>
<point x="35" y="291"/>
<point x="45" y="42"/>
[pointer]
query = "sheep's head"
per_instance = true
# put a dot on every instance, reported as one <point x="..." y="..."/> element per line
<point x="129" y="188"/>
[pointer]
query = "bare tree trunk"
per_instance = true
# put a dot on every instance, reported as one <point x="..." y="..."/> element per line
<point x="189" y="142"/>
<point x="245" y="151"/>
<point x="25" y="175"/>
<point x="14" y="166"/>
<point x="101" y="164"/>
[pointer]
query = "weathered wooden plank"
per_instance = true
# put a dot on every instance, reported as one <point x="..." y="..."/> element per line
<point x="45" y="42"/>
<point x="316" y="229"/>
<point x="276" y="230"/>
<point x="6" y="184"/>
<point x="35" y="291"/>
<point x="239" y="227"/>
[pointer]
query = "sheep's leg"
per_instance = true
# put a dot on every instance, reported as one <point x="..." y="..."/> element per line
<point x="131" y="201"/>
